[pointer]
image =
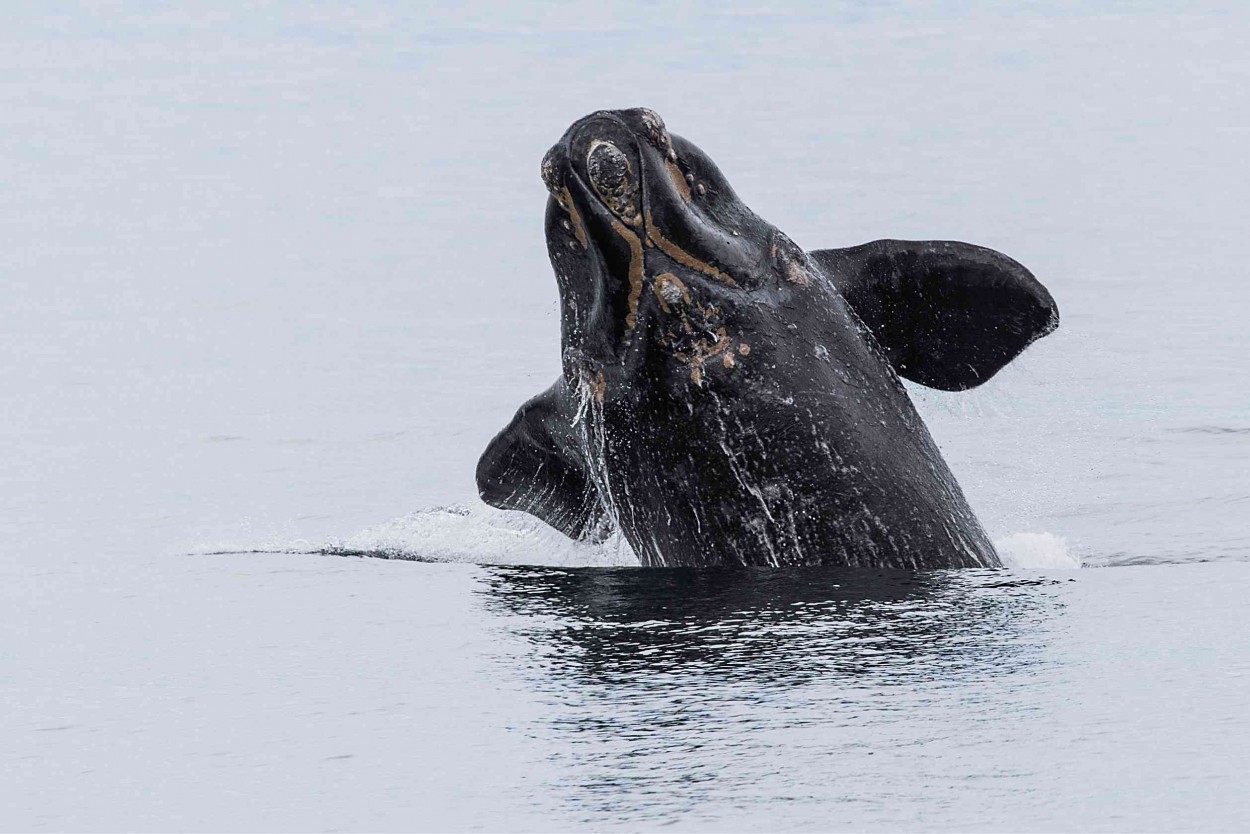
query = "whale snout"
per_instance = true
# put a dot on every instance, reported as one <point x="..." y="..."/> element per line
<point x="597" y="160"/>
<point x="601" y="155"/>
<point x="631" y="204"/>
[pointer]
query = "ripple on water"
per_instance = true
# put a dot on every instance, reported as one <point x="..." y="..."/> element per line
<point x="661" y="683"/>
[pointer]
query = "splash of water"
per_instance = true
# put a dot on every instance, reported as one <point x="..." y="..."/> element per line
<point x="1036" y="550"/>
<point x="487" y="536"/>
<point x="482" y="535"/>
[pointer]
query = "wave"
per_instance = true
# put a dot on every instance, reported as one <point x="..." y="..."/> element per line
<point x="484" y="535"/>
<point x="1216" y="430"/>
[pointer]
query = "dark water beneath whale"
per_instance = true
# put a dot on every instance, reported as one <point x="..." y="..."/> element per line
<point x="277" y="274"/>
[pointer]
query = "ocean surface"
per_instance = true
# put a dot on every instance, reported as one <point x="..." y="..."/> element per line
<point x="273" y="276"/>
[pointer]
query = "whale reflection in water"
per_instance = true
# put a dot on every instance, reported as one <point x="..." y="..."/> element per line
<point x="768" y="625"/>
<point x="662" y="681"/>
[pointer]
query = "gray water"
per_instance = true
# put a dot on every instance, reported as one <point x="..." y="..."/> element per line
<point x="275" y="276"/>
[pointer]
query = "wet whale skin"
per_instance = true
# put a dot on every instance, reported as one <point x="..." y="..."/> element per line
<point x="728" y="398"/>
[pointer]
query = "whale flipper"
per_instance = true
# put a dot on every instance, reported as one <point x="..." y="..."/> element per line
<point x="948" y="315"/>
<point x="534" y="465"/>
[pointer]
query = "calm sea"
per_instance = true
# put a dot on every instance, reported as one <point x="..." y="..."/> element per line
<point x="274" y="276"/>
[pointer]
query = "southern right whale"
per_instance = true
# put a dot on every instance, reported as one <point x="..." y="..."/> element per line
<point x="730" y="399"/>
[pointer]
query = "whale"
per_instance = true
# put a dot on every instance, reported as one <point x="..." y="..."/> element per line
<point x="727" y="398"/>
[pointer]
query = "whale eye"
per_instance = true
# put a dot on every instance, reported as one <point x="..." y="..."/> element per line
<point x="613" y="178"/>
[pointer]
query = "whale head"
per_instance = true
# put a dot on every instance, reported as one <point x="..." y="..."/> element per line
<point x="642" y="225"/>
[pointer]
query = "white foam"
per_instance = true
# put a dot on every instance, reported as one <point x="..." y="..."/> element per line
<point x="484" y="535"/>
<point x="481" y="534"/>
<point x="1036" y="550"/>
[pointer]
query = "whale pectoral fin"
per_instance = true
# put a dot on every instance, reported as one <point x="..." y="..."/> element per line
<point x="948" y="315"/>
<point x="533" y="465"/>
